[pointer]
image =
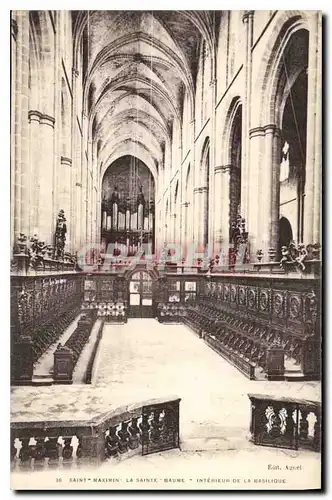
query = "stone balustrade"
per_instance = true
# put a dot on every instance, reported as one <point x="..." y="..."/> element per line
<point x="144" y="428"/>
<point x="285" y="422"/>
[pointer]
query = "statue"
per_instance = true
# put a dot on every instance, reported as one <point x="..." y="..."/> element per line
<point x="239" y="239"/>
<point x="301" y="256"/>
<point x="36" y="251"/>
<point x="21" y="244"/>
<point x="294" y="254"/>
<point x="60" y="235"/>
<point x="285" y="256"/>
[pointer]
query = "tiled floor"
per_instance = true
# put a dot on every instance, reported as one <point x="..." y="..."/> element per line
<point x="145" y="359"/>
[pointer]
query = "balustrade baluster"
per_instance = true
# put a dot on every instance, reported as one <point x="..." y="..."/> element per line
<point x="317" y="431"/>
<point x="52" y="451"/>
<point x="79" y="449"/>
<point x="155" y="426"/>
<point x="290" y="425"/>
<point x="67" y="450"/>
<point x="39" y="453"/>
<point x="275" y="421"/>
<point x="304" y="424"/>
<point x="124" y="437"/>
<point x="25" y="454"/>
<point x="13" y="450"/>
<point x="262" y="421"/>
<point x="134" y="432"/>
<point x="112" y="443"/>
<point x="145" y="427"/>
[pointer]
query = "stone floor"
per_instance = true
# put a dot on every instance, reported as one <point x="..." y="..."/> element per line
<point x="145" y="359"/>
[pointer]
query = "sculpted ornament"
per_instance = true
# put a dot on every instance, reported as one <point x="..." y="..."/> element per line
<point x="294" y="307"/>
<point x="264" y="300"/>
<point x="251" y="298"/>
<point x="60" y="235"/>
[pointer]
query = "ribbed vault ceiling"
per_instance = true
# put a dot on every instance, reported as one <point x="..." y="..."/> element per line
<point x="137" y="67"/>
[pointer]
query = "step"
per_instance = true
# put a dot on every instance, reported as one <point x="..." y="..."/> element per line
<point x="41" y="380"/>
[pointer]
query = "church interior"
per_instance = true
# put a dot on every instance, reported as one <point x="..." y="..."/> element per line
<point x="165" y="237"/>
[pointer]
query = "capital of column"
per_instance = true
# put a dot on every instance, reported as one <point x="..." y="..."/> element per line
<point x="34" y="116"/>
<point x="186" y="204"/>
<point x="222" y="169"/>
<point x="271" y="129"/>
<point x="47" y="120"/>
<point x="202" y="189"/>
<point x="66" y="161"/>
<point x="256" y="132"/>
<point x="78" y="184"/>
<point x="247" y="14"/>
<point x="213" y="82"/>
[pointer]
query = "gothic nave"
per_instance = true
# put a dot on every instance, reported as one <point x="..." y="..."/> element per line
<point x="165" y="242"/>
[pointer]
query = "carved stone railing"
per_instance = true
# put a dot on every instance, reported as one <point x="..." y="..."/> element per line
<point x="41" y="308"/>
<point x="285" y="422"/>
<point x="140" y="428"/>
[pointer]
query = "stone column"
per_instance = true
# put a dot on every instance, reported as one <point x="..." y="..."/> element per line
<point x="269" y="190"/>
<point x="217" y="209"/>
<point x="185" y="226"/>
<point x="197" y="218"/>
<point x="211" y="191"/>
<point x="275" y="195"/>
<point x="65" y="194"/>
<point x="205" y="214"/>
<point x="201" y="201"/>
<point x="225" y="208"/>
<point x="312" y="202"/>
<point x="265" y="199"/>
<point x="34" y="125"/>
<point x="21" y="137"/>
<point x="76" y="169"/>
<point x="256" y="160"/>
<point x="45" y="210"/>
<point x="247" y="69"/>
<point x="14" y="32"/>
<point x="318" y="140"/>
<point x="97" y="204"/>
<point x="175" y="220"/>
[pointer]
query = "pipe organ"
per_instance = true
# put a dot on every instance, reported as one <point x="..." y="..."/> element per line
<point x="128" y="222"/>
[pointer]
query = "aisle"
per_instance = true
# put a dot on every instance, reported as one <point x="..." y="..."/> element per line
<point x="144" y="359"/>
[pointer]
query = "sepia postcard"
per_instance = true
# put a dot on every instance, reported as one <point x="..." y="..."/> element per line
<point x="165" y="274"/>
